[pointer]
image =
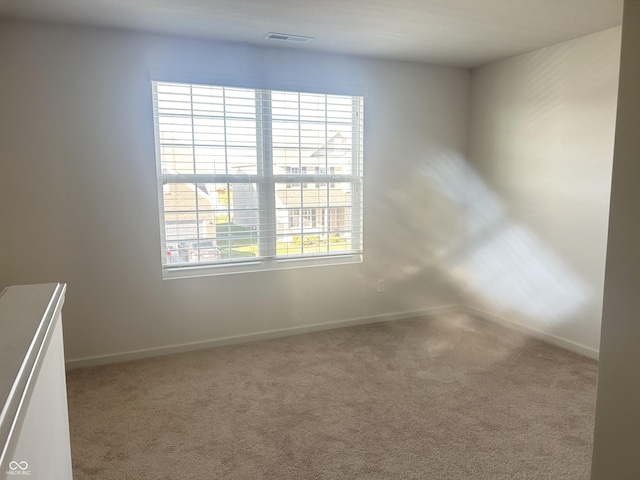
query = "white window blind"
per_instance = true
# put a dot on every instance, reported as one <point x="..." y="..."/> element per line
<point x="252" y="179"/>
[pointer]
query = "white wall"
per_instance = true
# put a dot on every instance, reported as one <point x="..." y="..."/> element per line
<point x="617" y="432"/>
<point x="78" y="198"/>
<point x="541" y="147"/>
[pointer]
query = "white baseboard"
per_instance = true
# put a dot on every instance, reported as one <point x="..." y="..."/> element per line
<point x="252" y="337"/>
<point x="284" y="332"/>
<point x="545" y="337"/>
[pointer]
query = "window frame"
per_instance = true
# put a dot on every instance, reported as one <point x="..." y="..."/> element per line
<point x="265" y="181"/>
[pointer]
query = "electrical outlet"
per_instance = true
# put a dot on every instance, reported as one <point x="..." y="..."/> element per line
<point x="381" y="285"/>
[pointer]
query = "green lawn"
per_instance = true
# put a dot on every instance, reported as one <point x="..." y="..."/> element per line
<point x="295" y="248"/>
<point x="238" y="242"/>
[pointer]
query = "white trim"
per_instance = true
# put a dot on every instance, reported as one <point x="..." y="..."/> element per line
<point x="532" y="332"/>
<point x="252" y="337"/>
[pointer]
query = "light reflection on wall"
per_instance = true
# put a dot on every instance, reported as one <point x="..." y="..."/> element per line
<point x="514" y="271"/>
<point x="466" y="235"/>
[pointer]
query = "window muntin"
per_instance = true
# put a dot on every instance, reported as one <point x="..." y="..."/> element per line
<point x="257" y="177"/>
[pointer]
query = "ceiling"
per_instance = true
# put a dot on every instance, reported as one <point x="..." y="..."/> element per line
<point x="452" y="32"/>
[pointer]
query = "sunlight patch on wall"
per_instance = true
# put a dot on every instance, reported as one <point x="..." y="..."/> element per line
<point x="503" y="263"/>
<point x="466" y="235"/>
<point x="515" y="272"/>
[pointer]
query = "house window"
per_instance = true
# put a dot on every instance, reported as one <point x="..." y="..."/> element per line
<point x="323" y="171"/>
<point x="293" y="171"/>
<point x="296" y="171"/>
<point x="253" y="179"/>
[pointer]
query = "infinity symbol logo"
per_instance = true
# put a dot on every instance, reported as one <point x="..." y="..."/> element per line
<point x="18" y="465"/>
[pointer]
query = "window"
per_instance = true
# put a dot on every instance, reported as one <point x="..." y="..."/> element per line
<point x="323" y="171"/>
<point x="292" y="171"/>
<point x="252" y="179"/>
<point x="295" y="171"/>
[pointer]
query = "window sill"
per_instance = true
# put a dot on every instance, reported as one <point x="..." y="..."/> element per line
<point x="259" y="265"/>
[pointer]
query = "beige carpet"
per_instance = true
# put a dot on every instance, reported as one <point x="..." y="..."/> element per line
<point x="445" y="397"/>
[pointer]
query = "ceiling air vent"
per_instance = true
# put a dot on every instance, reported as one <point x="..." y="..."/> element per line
<point x="285" y="37"/>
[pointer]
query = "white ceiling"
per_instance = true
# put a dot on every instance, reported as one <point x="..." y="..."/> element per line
<point x="452" y="32"/>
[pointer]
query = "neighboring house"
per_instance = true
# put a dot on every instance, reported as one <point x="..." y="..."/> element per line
<point x="315" y="208"/>
<point x="312" y="207"/>
<point x="183" y="226"/>
<point x="308" y="208"/>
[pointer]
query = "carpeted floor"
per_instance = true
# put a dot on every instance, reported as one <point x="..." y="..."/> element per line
<point x="444" y="397"/>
